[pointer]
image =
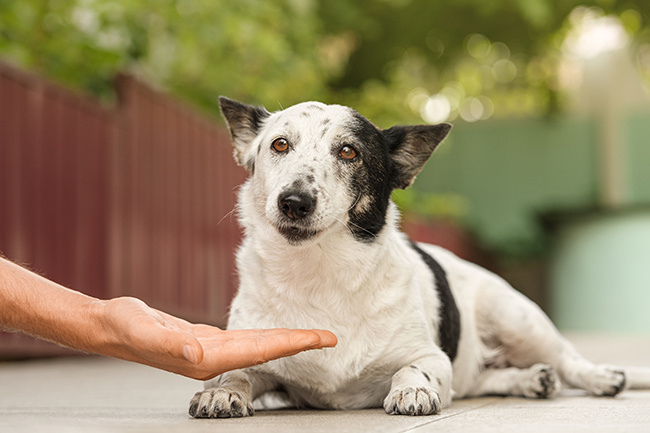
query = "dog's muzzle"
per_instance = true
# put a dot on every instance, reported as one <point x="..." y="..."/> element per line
<point x="296" y="206"/>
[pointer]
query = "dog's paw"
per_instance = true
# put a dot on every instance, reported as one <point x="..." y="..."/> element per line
<point x="220" y="403"/>
<point x="606" y="381"/>
<point x="413" y="401"/>
<point x="542" y="383"/>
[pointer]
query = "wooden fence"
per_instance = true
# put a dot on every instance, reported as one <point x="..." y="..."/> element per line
<point x="130" y="200"/>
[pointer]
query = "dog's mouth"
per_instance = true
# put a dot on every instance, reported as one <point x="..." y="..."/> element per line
<point x="296" y="235"/>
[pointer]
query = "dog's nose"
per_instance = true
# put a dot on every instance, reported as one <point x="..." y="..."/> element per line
<point x="296" y="205"/>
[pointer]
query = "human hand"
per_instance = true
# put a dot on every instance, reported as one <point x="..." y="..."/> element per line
<point x="137" y="332"/>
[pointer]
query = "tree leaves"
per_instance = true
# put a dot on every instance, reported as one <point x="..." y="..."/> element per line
<point x="371" y="54"/>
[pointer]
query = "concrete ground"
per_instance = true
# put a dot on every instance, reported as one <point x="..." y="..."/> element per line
<point x="94" y="394"/>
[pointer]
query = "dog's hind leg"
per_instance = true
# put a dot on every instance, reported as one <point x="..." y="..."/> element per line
<point x="525" y="336"/>
<point x="538" y="381"/>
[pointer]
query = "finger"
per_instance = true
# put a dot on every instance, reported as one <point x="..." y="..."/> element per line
<point x="327" y="339"/>
<point x="258" y="347"/>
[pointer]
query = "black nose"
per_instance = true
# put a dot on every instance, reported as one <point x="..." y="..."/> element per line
<point x="296" y="205"/>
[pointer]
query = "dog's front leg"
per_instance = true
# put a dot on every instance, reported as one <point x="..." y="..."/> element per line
<point x="421" y="388"/>
<point x="230" y="395"/>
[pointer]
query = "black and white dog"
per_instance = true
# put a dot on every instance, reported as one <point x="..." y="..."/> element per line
<point x="416" y="325"/>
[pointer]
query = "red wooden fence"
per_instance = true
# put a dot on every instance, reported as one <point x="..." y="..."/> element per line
<point x="132" y="200"/>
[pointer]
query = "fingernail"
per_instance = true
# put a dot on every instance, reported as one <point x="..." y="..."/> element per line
<point x="190" y="354"/>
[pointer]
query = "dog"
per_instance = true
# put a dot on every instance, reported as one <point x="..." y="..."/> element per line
<point x="417" y="326"/>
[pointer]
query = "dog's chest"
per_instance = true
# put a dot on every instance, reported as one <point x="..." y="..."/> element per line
<point x="373" y="342"/>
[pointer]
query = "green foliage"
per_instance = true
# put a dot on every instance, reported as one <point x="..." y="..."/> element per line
<point x="429" y="206"/>
<point x="258" y="51"/>
<point x="387" y="58"/>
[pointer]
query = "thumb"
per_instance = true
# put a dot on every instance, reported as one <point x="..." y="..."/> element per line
<point x="193" y="351"/>
<point x="182" y="345"/>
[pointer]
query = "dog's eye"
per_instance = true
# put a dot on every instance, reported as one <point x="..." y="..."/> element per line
<point x="280" y="145"/>
<point x="348" y="152"/>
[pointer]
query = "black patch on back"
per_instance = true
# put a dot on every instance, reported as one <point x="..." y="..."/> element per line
<point x="449" y="326"/>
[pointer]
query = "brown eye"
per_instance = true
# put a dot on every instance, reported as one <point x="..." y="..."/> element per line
<point x="280" y="145"/>
<point x="347" y="152"/>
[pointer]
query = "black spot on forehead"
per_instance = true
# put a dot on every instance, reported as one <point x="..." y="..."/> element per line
<point x="326" y="121"/>
<point x="324" y="131"/>
<point x="315" y="107"/>
<point x="305" y="114"/>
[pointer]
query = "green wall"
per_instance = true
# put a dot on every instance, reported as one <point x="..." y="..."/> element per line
<point x="511" y="172"/>
<point x="600" y="273"/>
<point x="637" y="148"/>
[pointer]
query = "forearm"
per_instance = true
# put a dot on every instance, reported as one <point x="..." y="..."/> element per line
<point x="37" y="306"/>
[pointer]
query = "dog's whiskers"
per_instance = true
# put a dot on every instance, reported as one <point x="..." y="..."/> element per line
<point x="230" y="213"/>
<point x="358" y="199"/>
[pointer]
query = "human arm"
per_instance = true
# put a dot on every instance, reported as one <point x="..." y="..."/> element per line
<point x="127" y="328"/>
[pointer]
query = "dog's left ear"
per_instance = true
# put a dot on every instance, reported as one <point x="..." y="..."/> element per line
<point x="244" y="122"/>
<point x="411" y="147"/>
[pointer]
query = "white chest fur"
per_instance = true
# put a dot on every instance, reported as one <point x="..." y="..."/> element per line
<point x="375" y="298"/>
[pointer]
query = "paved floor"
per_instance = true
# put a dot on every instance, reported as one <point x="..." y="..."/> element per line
<point x="93" y="394"/>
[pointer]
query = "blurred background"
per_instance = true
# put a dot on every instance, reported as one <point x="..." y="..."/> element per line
<point x="115" y="169"/>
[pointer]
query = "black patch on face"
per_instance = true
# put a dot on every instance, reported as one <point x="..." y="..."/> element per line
<point x="449" y="326"/>
<point x="325" y="122"/>
<point x="310" y="178"/>
<point x="369" y="179"/>
<point x="305" y="114"/>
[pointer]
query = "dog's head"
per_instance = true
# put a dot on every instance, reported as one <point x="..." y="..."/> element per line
<point x="317" y="168"/>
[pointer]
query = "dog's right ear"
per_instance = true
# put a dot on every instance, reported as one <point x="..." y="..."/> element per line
<point x="244" y="122"/>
